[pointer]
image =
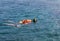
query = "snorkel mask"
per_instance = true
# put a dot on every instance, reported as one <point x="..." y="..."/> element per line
<point x="34" y="20"/>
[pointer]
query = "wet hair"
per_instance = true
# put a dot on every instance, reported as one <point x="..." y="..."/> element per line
<point x="34" y="20"/>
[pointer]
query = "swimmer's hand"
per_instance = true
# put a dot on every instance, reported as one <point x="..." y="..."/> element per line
<point x="17" y="25"/>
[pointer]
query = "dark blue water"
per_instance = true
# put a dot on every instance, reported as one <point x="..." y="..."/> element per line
<point x="47" y="13"/>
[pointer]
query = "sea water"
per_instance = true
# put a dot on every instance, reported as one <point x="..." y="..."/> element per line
<point x="47" y="13"/>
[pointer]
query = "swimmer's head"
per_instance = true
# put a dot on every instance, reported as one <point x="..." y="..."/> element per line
<point x="34" y="20"/>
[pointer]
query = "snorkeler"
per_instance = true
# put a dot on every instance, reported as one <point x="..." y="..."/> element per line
<point x="25" y="21"/>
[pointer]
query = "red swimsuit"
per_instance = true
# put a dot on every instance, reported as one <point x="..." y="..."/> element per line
<point x="26" y="21"/>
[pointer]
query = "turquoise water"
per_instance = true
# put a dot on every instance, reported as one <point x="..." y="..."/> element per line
<point x="47" y="13"/>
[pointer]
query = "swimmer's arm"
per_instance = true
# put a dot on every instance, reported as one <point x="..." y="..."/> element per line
<point x="9" y="24"/>
<point x="9" y="21"/>
<point x="12" y="23"/>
